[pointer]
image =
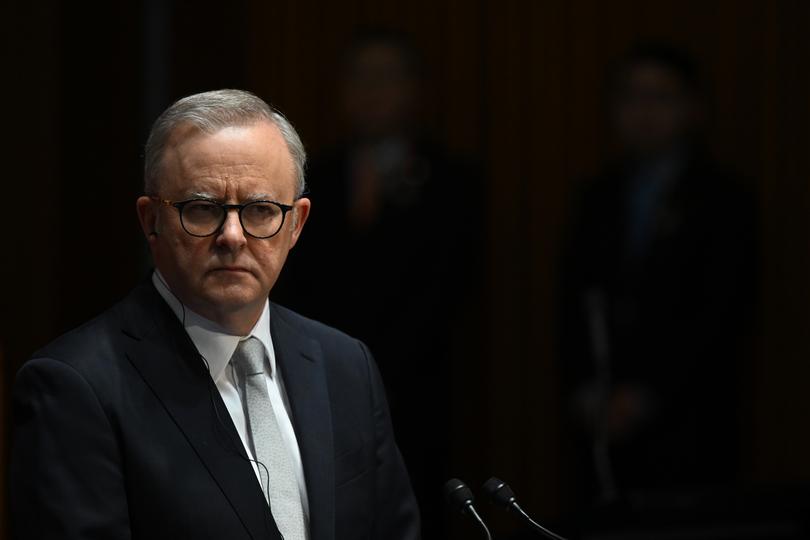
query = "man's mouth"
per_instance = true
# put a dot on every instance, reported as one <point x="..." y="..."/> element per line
<point x="230" y="269"/>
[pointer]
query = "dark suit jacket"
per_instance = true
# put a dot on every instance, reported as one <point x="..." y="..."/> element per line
<point x="121" y="433"/>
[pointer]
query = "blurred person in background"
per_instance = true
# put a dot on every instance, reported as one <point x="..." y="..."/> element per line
<point x="658" y="294"/>
<point x="388" y="253"/>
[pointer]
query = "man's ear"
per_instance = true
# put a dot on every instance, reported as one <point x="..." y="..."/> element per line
<point x="147" y="215"/>
<point x="300" y="213"/>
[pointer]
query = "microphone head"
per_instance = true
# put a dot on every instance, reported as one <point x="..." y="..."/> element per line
<point x="457" y="494"/>
<point x="499" y="491"/>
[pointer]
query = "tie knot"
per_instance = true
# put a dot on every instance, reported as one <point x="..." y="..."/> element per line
<point x="249" y="357"/>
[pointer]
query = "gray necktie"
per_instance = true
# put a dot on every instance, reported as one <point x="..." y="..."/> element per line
<point x="276" y="467"/>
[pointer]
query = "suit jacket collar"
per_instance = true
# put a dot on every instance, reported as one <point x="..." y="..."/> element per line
<point x="302" y="367"/>
<point x="164" y="355"/>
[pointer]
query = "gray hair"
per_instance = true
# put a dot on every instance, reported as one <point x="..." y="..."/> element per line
<point x="209" y="112"/>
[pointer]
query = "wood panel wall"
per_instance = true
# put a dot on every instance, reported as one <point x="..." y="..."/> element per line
<point x="518" y="84"/>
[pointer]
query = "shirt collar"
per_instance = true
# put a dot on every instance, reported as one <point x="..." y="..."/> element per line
<point x="213" y="342"/>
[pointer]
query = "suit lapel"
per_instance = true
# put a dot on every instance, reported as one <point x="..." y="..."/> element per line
<point x="167" y="360"/>
<point x="301" y="361"/>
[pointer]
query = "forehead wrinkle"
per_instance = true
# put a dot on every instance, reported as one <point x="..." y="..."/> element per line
<point x="229" y="166"/>
<point x="197" y="168"/>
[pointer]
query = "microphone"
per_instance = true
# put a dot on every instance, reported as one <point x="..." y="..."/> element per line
<point x="500" y="493"/>
<point x="460" y="498"/>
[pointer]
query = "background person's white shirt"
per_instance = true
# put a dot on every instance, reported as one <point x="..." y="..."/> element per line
<point x="217" y="347"/>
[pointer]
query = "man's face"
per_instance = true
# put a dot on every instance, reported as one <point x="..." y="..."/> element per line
<point x="653" y="111"/>
<point x="225" y="277"/>
<point x="379" y="93"/>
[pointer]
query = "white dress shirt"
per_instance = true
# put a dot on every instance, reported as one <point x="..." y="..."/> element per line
<point x="217" y="346"/>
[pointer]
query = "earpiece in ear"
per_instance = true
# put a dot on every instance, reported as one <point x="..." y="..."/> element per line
<point x="153" y="233"/>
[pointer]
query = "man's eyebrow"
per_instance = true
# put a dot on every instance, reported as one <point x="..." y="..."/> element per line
<point x="212" y="197"/>
<point x="260" y="197"/>
<point x="201" y="195"/>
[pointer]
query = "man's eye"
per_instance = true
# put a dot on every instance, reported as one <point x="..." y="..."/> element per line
<point x="202" y="209"/>
<point x="263" y="210"/>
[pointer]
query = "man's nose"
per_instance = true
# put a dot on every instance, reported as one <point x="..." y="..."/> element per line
<point x="231" y="235"/>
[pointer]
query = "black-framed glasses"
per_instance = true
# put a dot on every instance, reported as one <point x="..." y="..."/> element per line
<point x="204" y="217"/>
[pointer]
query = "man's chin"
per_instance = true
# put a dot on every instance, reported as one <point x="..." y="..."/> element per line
<point x="232" y="307"/>
<point x="235" y="298"/>
<point x="228" y="282"/>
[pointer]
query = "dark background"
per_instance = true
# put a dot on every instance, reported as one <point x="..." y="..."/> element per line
<point x="516" y="85"/>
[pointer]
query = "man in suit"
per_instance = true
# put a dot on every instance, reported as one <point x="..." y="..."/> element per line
<point x="195" y="408"/>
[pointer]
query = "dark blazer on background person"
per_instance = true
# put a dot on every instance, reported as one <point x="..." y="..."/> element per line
<point x="677" y="319"/>
<point x="121" y="433"/>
